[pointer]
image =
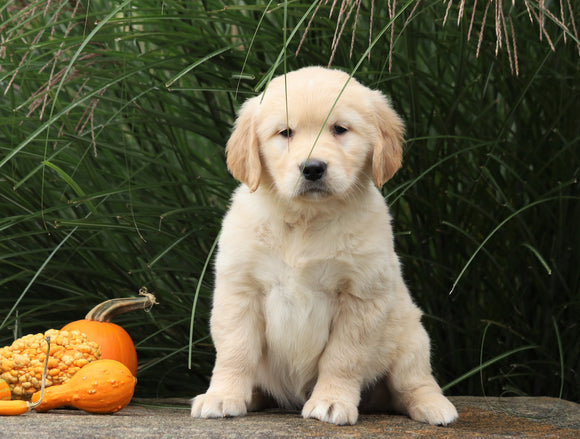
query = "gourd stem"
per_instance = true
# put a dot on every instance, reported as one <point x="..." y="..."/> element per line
<point x="32" y="405"/>
<point x="106" y="311"/>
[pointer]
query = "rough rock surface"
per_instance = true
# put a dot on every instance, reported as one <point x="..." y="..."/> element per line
<point x="479" y="417"/>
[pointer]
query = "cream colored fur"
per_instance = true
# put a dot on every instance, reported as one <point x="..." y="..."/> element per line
<point x="310" y="308"/>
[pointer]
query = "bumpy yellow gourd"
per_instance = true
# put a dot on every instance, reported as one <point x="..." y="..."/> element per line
<point x="21" y="363"/>
<point x="17" y="407"/>
<point x="103" y="386"/>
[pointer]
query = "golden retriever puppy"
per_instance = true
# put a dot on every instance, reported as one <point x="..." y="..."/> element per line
<point x="310" y="308"/>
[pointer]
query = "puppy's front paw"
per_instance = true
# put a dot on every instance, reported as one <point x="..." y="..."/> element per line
<point x="433" y="409"/>
<point x="329" y="410"/>
<point x="216" y="405"/>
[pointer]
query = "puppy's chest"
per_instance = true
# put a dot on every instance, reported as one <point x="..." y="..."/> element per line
<point x="298" y="308"/>
<point x="300" y="285"/>
<point x="300" y="281"/>
<point x="302" y="265"/>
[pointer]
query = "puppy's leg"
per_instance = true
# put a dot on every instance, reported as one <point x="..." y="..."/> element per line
<point x="414" y="390"/>
<point x="344" y="362"/>
<point x="236" y="335"/>
<point x="334" y="399"/>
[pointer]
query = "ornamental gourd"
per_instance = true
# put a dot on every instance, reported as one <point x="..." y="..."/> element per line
<point x="10" y="407"/>
<point x="5" y="393"/>
<point x="103" y="386"/>
<point x="21" y="363"/>
<point x="115" y="342"/>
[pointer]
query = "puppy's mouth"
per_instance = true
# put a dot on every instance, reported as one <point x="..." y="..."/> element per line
<point x="313" y="189"/>
<point x="313" y="181"/>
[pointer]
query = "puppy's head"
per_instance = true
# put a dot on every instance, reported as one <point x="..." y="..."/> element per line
<point x="314" y="133"/>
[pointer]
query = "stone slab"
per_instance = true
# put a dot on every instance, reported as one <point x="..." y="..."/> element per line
<point x="479" y="417"/>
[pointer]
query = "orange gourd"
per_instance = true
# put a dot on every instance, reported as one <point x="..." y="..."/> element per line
<point x="103" y="386"/>
<point x="5" y="393"/>
<point x="13" y="408"/>
<point x="115" y="342"/>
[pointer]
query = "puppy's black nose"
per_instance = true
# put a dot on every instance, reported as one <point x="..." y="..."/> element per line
<point x="313" y="169"/>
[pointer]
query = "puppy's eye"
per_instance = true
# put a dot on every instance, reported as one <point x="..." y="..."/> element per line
<point x="338" y="130"/>
<point x="287" y="133"/>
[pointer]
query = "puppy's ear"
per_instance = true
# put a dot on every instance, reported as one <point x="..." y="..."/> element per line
<point x="242" y="149"/>
<point x="388" y="151"/>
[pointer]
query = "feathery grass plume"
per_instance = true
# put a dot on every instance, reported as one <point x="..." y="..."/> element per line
<point x="46" y="19"/>
<point x="505" y="35"/>
<point x="344" y="12"/>
<point x="502" y="11"/>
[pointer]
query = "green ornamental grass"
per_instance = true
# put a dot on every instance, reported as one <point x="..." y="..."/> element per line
<point x="113" y="121"/>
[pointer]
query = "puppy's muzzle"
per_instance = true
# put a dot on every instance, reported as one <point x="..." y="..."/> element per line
<point x="313" y="182"/>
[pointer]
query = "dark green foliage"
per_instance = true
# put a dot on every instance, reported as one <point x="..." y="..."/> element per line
<point x="113" y="120"/>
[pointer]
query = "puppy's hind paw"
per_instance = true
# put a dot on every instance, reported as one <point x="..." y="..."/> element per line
<point x="334" y="412"/>
<point x="434" y="409"/>
<point x="212" y="405"/>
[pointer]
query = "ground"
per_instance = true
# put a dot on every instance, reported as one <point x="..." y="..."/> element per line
<point x="479" y="417"/>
